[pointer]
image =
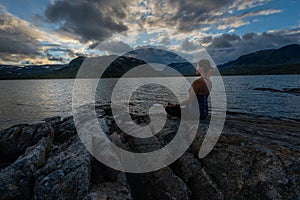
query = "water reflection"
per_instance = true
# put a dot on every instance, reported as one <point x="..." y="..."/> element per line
<point x="29" y="101"/>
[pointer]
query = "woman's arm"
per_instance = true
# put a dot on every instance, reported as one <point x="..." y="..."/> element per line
<point x="191" y="96"/>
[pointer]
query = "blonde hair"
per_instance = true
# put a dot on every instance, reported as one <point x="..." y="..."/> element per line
<point x="207" y="67"/>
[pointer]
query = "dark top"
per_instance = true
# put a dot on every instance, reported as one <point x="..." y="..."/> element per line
<point x="202" y="92"/>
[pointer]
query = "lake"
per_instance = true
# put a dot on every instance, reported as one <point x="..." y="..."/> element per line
<point x="30" y="101"/>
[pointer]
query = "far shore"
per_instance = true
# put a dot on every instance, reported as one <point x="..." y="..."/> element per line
<point x="72" y="78"/>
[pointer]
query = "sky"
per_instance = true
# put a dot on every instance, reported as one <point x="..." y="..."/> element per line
<point x="57" y="31"/>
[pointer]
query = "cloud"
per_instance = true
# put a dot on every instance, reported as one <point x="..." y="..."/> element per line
<point x="114" y="47"/>
<point x="81" y="25"/>
<point x="224" y="41"/>
<point x="189" y="45"/>
<point x="206" y="40"/>
<point x="240" y="20"/>
<point x="163" y="39"/>
<point x="58" y="54"/>
<point x="227" y="47"/>
<point x="88" y="20"/>
<point x="17" y="37"/>
<point x="246" y="4"/>
<point x="189" y="15"/>
<point x="56" y="58"/>
<point x="21" y="42"/>
<point x="184" y="15"/>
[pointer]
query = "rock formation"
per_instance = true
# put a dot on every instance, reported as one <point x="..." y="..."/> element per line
<point x="254" y="159"/>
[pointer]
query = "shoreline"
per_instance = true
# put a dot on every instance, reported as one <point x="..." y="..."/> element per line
<point x="226" y="75"/>
<point x="252" y="159"/>
<point x="230" y="114"/>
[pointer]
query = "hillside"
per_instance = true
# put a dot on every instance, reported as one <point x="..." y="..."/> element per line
<point x="28" y="72"/>
<point x="117" y="67"/>
<point x="285" y="60"/>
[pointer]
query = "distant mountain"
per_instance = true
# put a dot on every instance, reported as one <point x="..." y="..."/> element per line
<point x="117" y="66"/>
<point x="285" y="60"/>
<point x="28" y="72"/>
<point x="154" y="55"/>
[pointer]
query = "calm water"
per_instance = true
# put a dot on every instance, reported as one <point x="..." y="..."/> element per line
<point x="29" y="101"/>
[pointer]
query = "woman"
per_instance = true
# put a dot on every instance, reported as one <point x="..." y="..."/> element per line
<point x="202" y="88"/>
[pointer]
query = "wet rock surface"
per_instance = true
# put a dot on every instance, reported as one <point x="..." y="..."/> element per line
<point x="253" y="159"/>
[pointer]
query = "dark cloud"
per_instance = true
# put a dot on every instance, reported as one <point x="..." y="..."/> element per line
<point x="17" y="45"/>
<point x="207" y="39"/>
<point x="17" y="37"/>
<point x="96" y="20"/>
<point x="220" y="43"/>
<point x="94" y="45"/>
<point x="189" y="46"/>
<point x="195" y="11"/>
<point x="60" y="50"/>
<point x="26" y="62"/>
<point x="114" y="47"/>
<point x="224" y="41"/>
<point x="164" y="40"/>
<point x="185" y="15"/>
<point x="249" y="36"/>
<point x="56" y="58"/>
<point x="89" y="20"/>
<point x="64" y="54"/>
<point x="20" y="41"/>
<point x="228" y="47"/>
<point x="190" y="15"/>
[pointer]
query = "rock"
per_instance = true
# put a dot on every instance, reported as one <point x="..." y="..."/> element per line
<point x="244" y="163"/>
<point x="285" y="90"/>
<point x="54" y="122"/>
<point x="17" y="179"/>
<point x="257" y="169"/>
<point x="15" y="140"/>
<point x="65" y="131"/>
<point x="9" y="145"/>
<point x="60" y="170"/>
<point x="292" y="90"/>
<point x="161" y="184"/>
<point x="65" y="175"/>
<point x="42" y="130"/>
<point x="108" y="183"/>
<point x="268" y="89"/>
<point x="109" y="190"/>
<point x="253" y="159"/>
<point x="195" y="176"/>
<point x="25" y="139"/>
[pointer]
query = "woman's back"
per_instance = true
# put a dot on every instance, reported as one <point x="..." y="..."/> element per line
<point x="201" y="88"/>
<point x="196" y="104"/>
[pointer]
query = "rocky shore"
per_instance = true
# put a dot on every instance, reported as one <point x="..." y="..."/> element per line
<point x="253" y="159"/>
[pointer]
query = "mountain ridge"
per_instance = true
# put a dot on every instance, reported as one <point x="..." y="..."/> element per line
<point x="285" y="60"/>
